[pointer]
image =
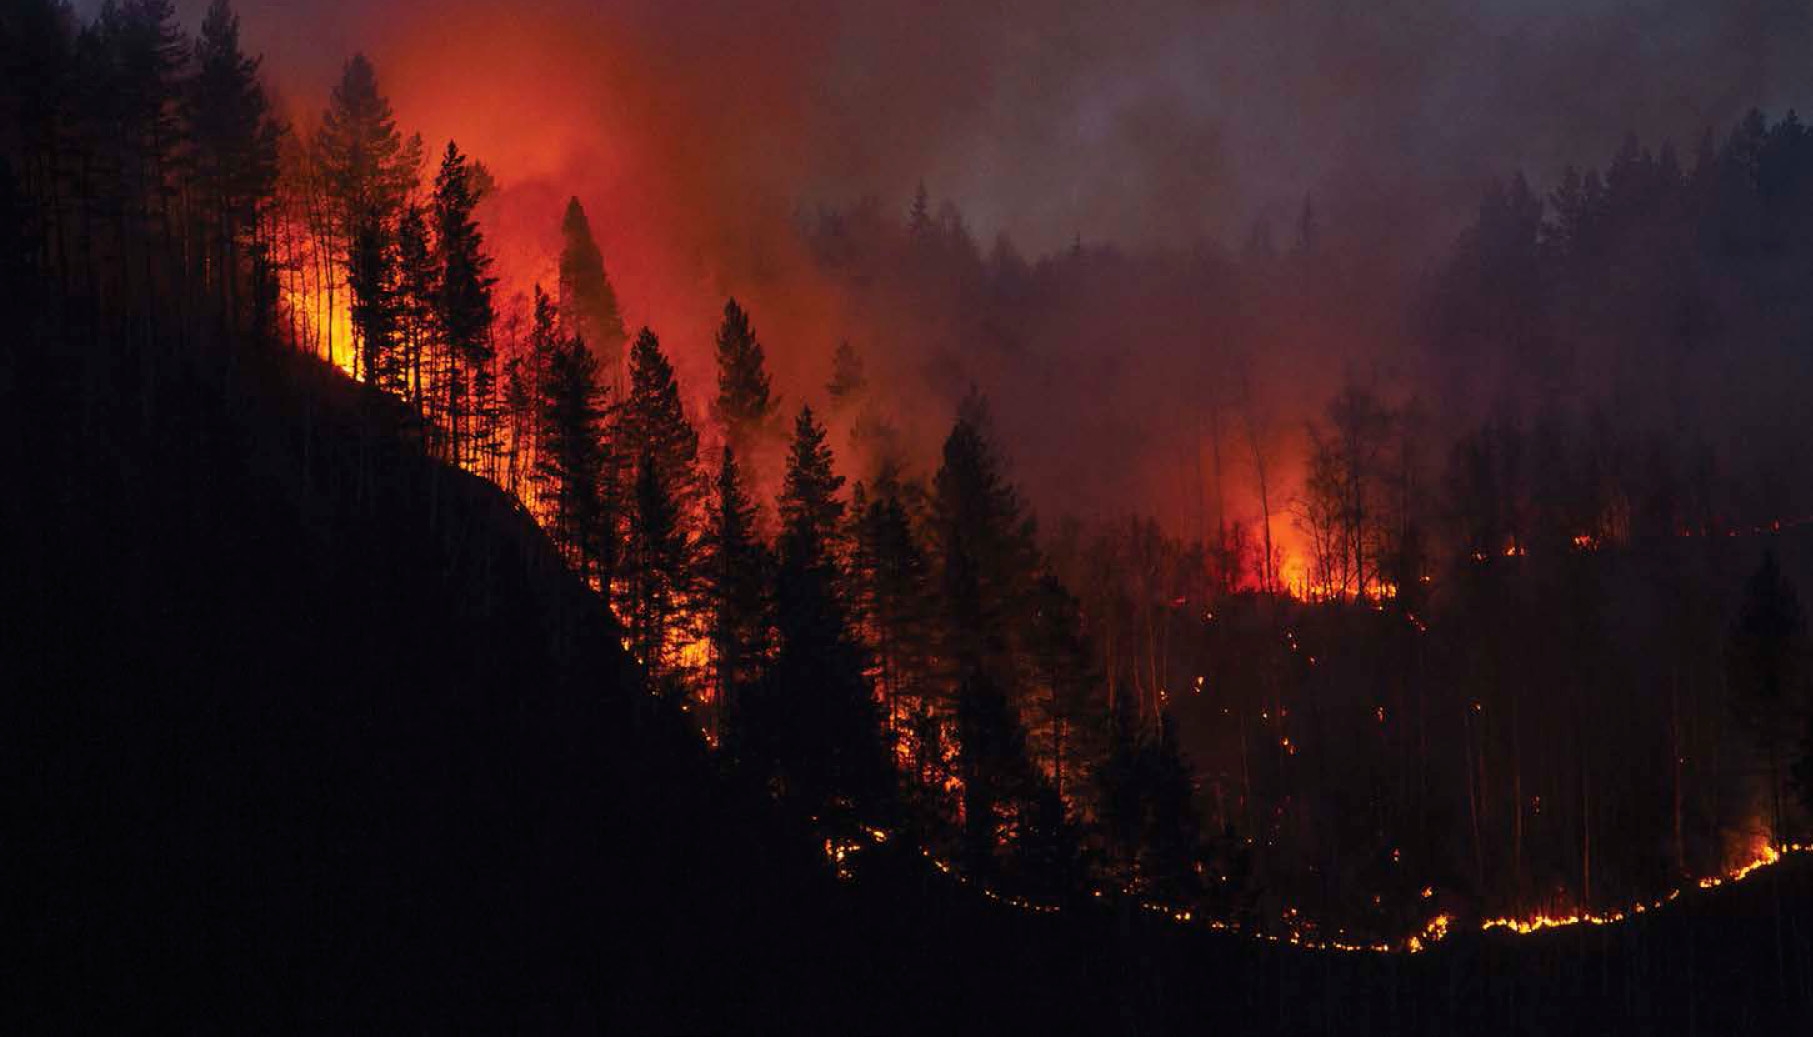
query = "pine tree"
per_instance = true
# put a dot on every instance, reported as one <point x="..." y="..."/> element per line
<point x="463" y="307"/>
<point x="736" y="571"/>
<point x="1066" y="703"/>
<point x="367" y="167"/>
<point x="985" y="551"/>
<point x="812" y="723"/>
<point x="371" y="278"/>
<point x="417" y="279"/>
<point x="811" y="513"/>
<point x="986" y="560"/>
<point x="135" y="55"/>
<point x="744" y="404"/>
<point x="569" y="464"/>
<point x="659" y="451"/>
<point x="532" y="368"/>
<point x="891" y="580"/>
<point x="657" y="562"/>
<point x="233" y="149"/>
<point x="588" y="303"/>
<point x="652" y="418"/>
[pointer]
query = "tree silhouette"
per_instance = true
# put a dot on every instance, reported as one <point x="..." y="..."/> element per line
<point x="233" y="151"/>
<point x="736" y="572"/>
<point x="371" y="278"/>
<point x="892" y="595"/>
<point x="588" y="303"/>
<point x="744" y="403"/>
<point x="417" y="281"/>
<point x="659" y="451"/>
<point x="813" y="723"/>
<point x="463" y="308"/>
<point x="367" y="167"/>
<point x="570" y="460"/>
<point x="657" y="560"/>
<point x="985" y="551"/>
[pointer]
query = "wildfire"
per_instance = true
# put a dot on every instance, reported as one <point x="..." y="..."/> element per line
<point x="1296" y="931"/>
<point x="1765" y="854"/>
<point x="1762" y="855"/>
<point x="1434" y="932"/>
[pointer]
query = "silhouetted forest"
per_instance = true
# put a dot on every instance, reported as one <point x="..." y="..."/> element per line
<point x="401" y="643"/>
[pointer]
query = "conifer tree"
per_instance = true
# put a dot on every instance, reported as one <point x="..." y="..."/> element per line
<point x="233" y="149"/>
<point x="588" y="303"/>
<point x="653" y="419"/>
<point x="417" y="277"/>
<point x="463" y="308"/>
<point x="1065" y="705"/>
<point x="736" y="570"/>
<point x="659" y="452"/>
<point x="891" y="582"/>
<point x="744" y="403"/>
<point x="371" y="278"/>
<point x="367" y="167"/>
<point x="570" y="460"/>
<point x="986" y="560"/>
<point x="533" y="365"/>
<point x="985" y="551"/>
<point x="657" y="564"/>
<point x="812" y="724"/>
<point x="135" y="57"/>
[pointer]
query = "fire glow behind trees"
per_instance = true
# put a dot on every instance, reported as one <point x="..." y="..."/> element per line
<point x="1258" y="586"/>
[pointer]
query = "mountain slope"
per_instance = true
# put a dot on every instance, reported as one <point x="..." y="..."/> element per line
<point x="305" y="731"/>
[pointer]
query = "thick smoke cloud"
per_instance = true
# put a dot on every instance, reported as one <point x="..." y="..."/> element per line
<point x="1146" y="122"/>
<point x="698" y="132"/>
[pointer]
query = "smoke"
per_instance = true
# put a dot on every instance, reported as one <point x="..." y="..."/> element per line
<point x="697" y="133"/>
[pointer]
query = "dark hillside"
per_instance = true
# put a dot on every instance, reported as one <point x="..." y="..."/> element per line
<point x="304" y="726"/>
<point x="306" y="730"/>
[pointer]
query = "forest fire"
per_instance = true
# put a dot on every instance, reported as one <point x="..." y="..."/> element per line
<point x="640" y="473"/>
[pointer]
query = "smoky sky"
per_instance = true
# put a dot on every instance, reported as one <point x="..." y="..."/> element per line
<point x="1146" y="122"/>
<point x="697" y="132"/>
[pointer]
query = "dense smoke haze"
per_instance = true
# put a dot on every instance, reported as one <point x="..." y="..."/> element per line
<point x="1004" y="515"/>
<point x="1155" y="123"/>
<point x="703" y="136"/>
